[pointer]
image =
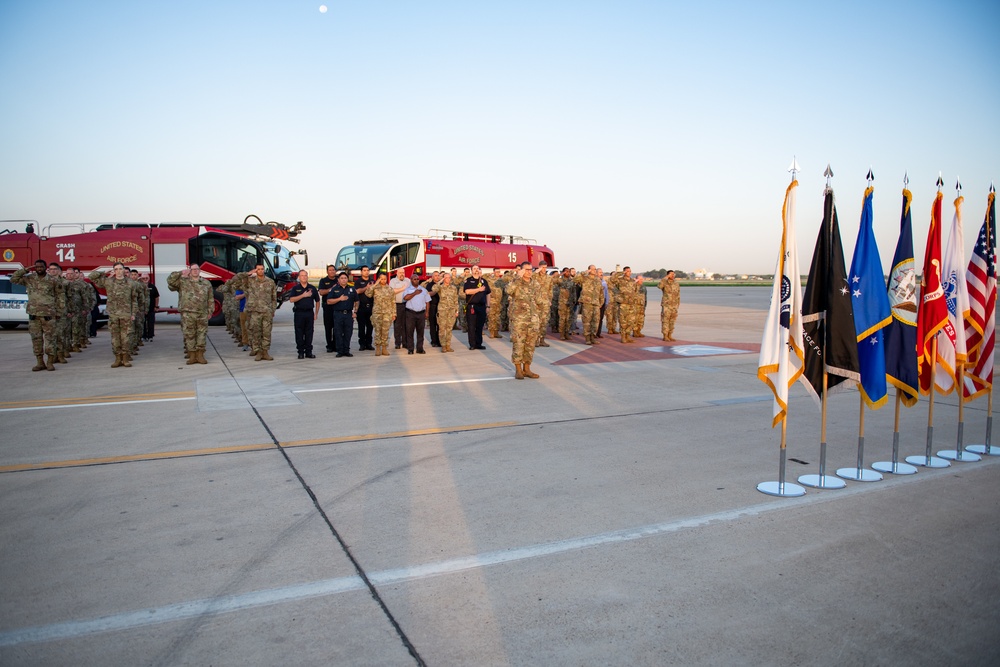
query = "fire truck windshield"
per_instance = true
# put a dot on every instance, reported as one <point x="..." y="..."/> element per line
<point x="355" y="256"/>
<point x="281" y="259"/>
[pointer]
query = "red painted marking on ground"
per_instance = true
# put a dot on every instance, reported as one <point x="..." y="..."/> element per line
<point x="611" y="349"/>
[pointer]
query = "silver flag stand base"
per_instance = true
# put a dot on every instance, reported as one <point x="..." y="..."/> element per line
<point x="783" y="489"/>
<point x="859" y="474"/>
<point x="927" y="461"/>
<point x="822" y="481"/>
<point x="985" y="450"/>
<point x="959" y="455"/>
<point x="894" y="468"/>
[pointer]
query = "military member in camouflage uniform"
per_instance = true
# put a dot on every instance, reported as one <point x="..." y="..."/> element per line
<point x="546" y="284"/>
<point x="448" y="308"/>
<point x="262" y="301"/>
<point x="611" y="312"/>
<point x="497" y="283"/>
<point x="81" y="323"/>
<point x="669" y="305"/>
<point x="46" y="299"/>
<point x="383" y="313"/>
<point x="64" y="330"/>
<point x="142" y="293"/>
<point x="122" y="305"/>
<point x="640" y="316"/>
<point x="195" y="301"/>
<point x="591" y="297"/>
<point x="505" y="302"/>
<point x="629" y="304"/>
<point x="528" y="303"/>
<point x="567" y="302"/>
<point x="459" y="282"/>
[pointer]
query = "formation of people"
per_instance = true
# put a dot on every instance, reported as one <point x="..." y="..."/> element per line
<point x="62" y="311"/>
<point x="527" y="302"/>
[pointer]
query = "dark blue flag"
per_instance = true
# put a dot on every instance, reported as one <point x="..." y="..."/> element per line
<point x="901" y="334"/>
<point x="871" y="309"/>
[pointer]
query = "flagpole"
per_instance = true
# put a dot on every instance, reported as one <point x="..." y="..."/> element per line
<point x="782" y="488"/>
<point x="822" y="480"/>
<point x="860" y="473"/>
<point x="927" y="460"/>
<point x="894" y="466"/>
<point x="987" y="449"/>
<point x="958" y="454"/>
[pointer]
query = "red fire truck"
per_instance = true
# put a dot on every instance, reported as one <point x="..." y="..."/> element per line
<point x="159" y="249"/>
<point x="442" y="249"/>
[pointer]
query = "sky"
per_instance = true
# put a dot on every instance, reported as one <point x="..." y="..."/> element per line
<point x="654" y="134"/>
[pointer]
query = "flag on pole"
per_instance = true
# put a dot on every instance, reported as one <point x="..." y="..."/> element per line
<point x="901" y="334"/>
<point x="981" y="325"/>
<point x="780" y="364"/>
<point x="951" y="341"/>
<point x="870" y="304"/>
<point x="827" y="318"/>
<point x="932" y="315"/>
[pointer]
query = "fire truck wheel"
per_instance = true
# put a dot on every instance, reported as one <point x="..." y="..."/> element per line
<point x="217" y="319"/>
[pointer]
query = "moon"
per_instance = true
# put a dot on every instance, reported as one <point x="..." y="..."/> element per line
<point x="322" y="9"/>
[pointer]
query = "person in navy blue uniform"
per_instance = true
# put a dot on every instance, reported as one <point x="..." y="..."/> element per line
<point x="325" y="285"/>
<point x="305" y="310"/>
<point x="343" y="299"/>
<point x="476" y="289"/>
<point x="365" y="305"/>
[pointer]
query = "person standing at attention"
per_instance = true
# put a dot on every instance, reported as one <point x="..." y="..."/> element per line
<point x="305" y="311"/>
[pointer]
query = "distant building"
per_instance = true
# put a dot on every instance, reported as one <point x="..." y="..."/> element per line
<point x="702" y="274"/>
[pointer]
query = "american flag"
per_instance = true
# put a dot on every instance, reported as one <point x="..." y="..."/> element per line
<point x="981" y="325"/>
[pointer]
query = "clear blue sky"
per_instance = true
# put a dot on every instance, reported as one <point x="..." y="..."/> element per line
<point x="656" y="134"/>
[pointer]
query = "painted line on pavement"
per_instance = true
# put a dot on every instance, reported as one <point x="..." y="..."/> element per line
<point x="397" y="434"/>
<point x="325" y="587"/>
<point x="401" y="384"/>
<point x="96" y="403"/>
<point x="235" y="449"/>
<point x="151" y="456"/>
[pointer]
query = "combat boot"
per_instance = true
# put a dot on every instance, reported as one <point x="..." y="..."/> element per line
<point x="527" y="371"/>
<point x="49" y="363"/>
<point x="127" y="360"/>
<point x="518" y="372"/>
<point x="39" y="363"/>
<point x="542" y="343"/>
<point x="201" y="357"/>
<point x="258" y="357"/>
<point x="192" y="358"/>
<point x="588" y="340"/>
<point x="639" y="334"/>
<point x="75" y="348"/>
<point x="141" y="344"/>
<point x="118" y="361"/>
<point x="378" y="350"/>
<point x="265" y="356"/>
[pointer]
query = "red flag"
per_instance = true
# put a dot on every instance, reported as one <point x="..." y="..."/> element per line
<point x="932" y="315"/>
<point x="980" y="328"/>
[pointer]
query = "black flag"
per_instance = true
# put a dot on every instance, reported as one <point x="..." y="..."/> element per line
<point x="829" y="341"/>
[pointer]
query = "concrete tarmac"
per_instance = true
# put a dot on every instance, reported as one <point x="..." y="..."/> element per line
<point x="430" y="509"/>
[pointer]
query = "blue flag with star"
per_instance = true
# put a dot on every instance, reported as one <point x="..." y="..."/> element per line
<point x="871" y="309"/>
